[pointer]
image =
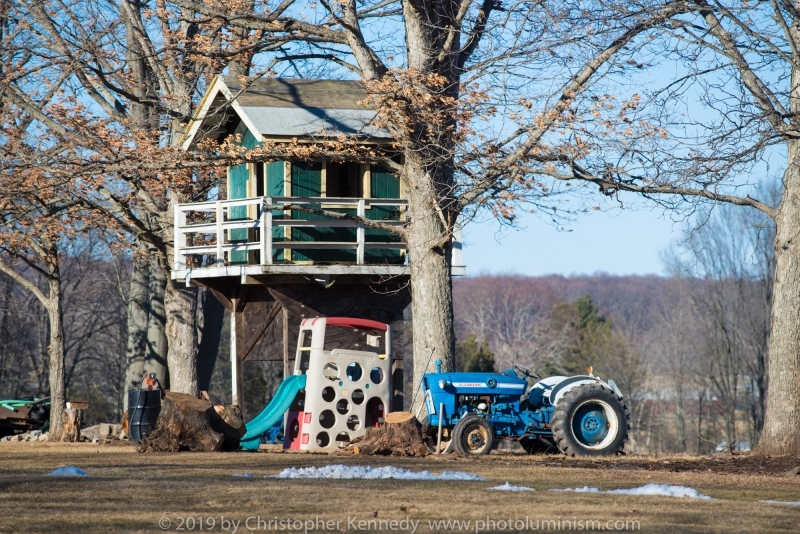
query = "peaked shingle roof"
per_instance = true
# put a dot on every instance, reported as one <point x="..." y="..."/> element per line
<point x="287" y="107"/>
<point x="299" y="93"/>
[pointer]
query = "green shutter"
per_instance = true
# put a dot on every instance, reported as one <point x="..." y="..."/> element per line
<point x="237" y="188"/>
<point x="240" y="176"/>
<point x="275" y="179"/>
<point x="383" y="184"/>
<point x="307" y="182"/>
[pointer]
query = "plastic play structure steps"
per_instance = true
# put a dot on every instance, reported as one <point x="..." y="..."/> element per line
<point x="274" y="411"/>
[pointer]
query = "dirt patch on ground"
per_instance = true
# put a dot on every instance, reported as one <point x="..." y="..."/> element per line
<point x="742" y="464"/>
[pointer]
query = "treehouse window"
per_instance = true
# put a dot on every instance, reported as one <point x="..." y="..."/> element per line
<point x="343" y="180"/>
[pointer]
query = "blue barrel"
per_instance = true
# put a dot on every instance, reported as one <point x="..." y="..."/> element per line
<point x="143" y="409"/>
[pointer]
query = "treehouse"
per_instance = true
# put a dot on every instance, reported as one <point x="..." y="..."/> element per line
<point x="272" y="267"/>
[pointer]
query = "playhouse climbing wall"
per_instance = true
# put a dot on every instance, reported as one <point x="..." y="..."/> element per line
<point x="348" y="368"/>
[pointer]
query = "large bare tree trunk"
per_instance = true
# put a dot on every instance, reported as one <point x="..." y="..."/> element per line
<point x="146" y="317"/>
<point x="781" y="434"/>
<point x="210" y="329"/>
<point x="181" y="307"/>
<point x="431" y="291"/>
<point x="55" y="351"/>
<point x="138" y="304"/>
<point x="430" y="175"/>
<point x="157" y="345"/>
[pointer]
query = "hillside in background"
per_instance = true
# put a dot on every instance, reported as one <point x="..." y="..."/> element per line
<point x="689" y="353"/>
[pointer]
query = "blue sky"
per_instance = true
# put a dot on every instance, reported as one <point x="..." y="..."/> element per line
<point x="616" y="242"/>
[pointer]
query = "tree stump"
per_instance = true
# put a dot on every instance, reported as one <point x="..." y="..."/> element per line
<point x="232" y="422"/>
<point x="187" y="423"/>
<point x="399" y="436"/>
<point x="73" y="418"/>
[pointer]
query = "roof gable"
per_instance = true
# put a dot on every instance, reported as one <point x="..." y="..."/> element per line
<point x="285" y="107"/>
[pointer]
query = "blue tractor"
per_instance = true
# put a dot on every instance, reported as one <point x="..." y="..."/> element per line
<point x="578" y="415"/>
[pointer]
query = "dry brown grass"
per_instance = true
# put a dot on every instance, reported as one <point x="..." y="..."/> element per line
<point x="130" y="492"/>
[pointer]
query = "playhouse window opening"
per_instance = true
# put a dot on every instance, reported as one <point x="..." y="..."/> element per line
<point x="305" y="350"/>
<point x="323" y="439"/>
<point x="375" y="412"/>
<point x="340" y="337"/>
<point x="353" y="422"/>
<point x="342" y="439"/>
<point x="305" y="342"/>
<point x="353" y="372"/>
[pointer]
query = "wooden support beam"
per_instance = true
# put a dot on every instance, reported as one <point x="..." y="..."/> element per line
<point x="237" y="376"/>
<point x="242" y="296"/>
<point x="253" y="341"/>
<point x="222" y="298"/>
<point x="294" y="307"/>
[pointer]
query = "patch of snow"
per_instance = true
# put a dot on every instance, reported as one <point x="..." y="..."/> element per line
<point x="585" y="489"/>
<point x="664" y="490"/>
<point x="509" y="487"/>
<point x="70" y="471"/>
<point x="339" y="471"/>
<point x="243" y="475"/>
<point x="788" y="503"/>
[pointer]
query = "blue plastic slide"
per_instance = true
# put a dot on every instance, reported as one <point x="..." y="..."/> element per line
<point x="274" y="411"/>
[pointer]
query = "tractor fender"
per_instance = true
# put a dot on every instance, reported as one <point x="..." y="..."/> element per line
<point x="550" y="390"/>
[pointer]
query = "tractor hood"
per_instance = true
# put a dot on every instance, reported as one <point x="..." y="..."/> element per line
<point x="476" y="383"/>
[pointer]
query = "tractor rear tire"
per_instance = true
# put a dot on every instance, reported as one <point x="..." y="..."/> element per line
<point x="591" y="420"/>
<point x="473" y="436"/>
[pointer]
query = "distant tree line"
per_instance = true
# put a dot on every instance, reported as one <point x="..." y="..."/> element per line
<point x="688" y="350"/>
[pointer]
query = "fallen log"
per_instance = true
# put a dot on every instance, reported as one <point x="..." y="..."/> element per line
<point x="399" y="436"/>
<point x="187" y="423"/>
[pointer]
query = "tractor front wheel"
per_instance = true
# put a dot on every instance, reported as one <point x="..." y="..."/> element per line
<point x="473" y="436"/>
<point x="590" y="420"/>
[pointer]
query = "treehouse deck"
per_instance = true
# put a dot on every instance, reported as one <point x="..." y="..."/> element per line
<point x="261" y="240"/>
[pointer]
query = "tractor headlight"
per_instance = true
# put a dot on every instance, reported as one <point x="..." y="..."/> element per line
<point x="442" y="384"/>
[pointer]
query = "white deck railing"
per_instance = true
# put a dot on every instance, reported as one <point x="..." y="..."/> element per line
<point x="263" y="221"/>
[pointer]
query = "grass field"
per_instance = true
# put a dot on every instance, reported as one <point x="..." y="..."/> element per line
<point x="131" y="492"/>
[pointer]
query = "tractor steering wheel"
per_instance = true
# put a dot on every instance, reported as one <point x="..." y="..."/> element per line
<point x="525" y="372"/>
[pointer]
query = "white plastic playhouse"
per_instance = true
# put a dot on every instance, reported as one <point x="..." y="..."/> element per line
<point x="347" y="366"/>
